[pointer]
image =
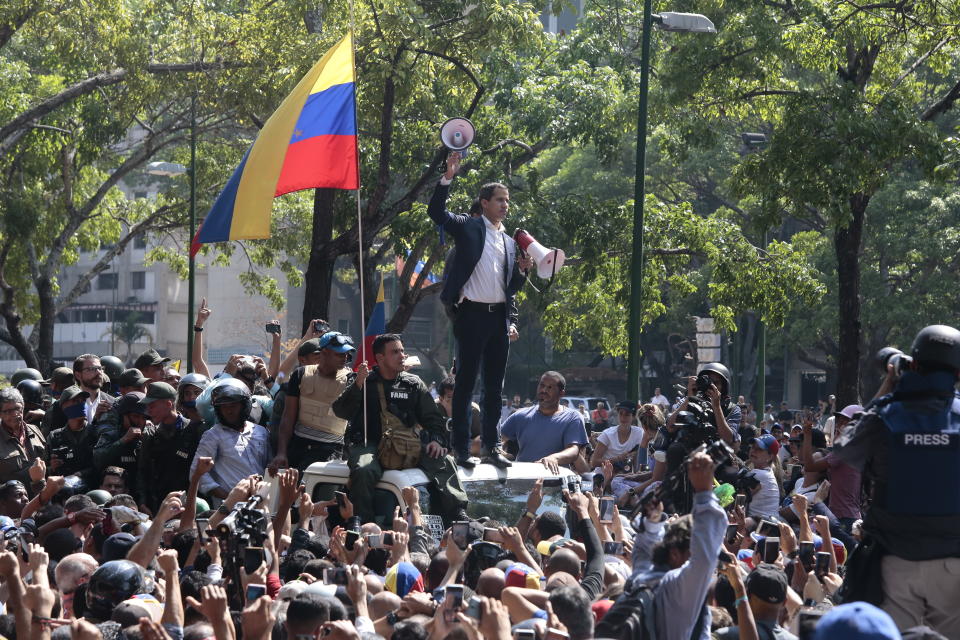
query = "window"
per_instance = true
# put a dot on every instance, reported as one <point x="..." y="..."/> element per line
<point x="138" y="280"/>
<point x="139" y="194"/>
<point x="140" y="242"/>
<point x="107" y="281"/>
<point x="93" y="315"/>
<point x="343" y="326"/>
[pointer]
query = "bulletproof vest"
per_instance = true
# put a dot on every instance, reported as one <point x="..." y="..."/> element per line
<point x="924" y="443"/>
<point x="317" y="394"/>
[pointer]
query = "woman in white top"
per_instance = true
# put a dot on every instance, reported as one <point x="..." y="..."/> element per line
<point x="766" y="468"/>
<point x="617" y="444"/>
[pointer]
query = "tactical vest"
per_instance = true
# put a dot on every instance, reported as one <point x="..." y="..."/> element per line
<point x="924" y="459"/>
<point x="317" y="394"/>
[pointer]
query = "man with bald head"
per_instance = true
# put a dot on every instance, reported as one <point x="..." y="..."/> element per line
<point x="74" y="570"/>
<point x="491" y="582"/>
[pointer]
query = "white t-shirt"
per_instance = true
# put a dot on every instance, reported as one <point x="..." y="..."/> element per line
<point x="766" y="501"/>
<point x="610" y="438"/>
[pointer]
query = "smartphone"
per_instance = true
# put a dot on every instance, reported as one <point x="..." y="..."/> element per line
<point x="438" y="594"/>
<point x="492" y="535"/>
<point x="202" y="525"/>
<point x="573" y="486"/>
<point x="598" y="484"/>
<point x="807" y="556"/>
<point x="320" y="326"/>
<point x="771" y="550"/>
<point x="459" y="533"/>
<point x="823" y="564"/>
<point x="253" y="557"/>
<point x="731" y="535"/>
<point x="387" y="538"/>
<point x="352" y="537"/>
<point x="612" y="548"/>
<point x="741" y="500"/>
<point x="273" y="327"/>
<point x="375" y="541"/>
<point x="340" y="497"/>
<point x="725" y="558"/>
<point x="473" y="608"/>
<point x="552" y="482"/>
<point x="556" y="634"/>
<point x="606" y="510"/>
<point x="254" y="591"/>
<point x="768" y="528"/>
<point x="524" y="634"/>
<point x="335" y="575"/>
<point x="807" y="621"/>
<point x="455" y="593"/>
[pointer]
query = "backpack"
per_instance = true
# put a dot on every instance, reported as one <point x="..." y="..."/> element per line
<point x="631" y="616"/>
<point x="399" y="446"/>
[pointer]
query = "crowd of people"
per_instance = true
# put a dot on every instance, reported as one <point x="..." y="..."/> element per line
<point x="137" y="503"/>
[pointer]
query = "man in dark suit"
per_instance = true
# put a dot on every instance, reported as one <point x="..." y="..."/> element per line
<point x="480" y="286"/>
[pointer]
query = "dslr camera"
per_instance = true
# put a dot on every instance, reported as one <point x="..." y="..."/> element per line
<point x="891" y="355"/>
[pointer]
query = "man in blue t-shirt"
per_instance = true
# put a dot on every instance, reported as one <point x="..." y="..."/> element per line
<point x="547" y="433"/>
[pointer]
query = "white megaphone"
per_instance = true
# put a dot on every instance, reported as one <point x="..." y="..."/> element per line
<point x="457" y="134"/>
<point x="548" y="261"/>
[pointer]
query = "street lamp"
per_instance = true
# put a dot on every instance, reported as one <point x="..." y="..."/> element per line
<point x="668" y="21"/>
<point x="171" y="169"/>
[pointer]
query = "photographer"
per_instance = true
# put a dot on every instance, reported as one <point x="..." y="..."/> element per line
<point x="908" y="446"/>
<point x="710" y="389"/>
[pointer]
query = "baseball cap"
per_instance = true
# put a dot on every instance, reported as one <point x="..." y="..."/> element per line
<point x="61" y="376"/>
<point x="768" y="583"/>
<point x="336" y="341"/>
<point x="160" y="391"/>
<point x="628" y="405"/>
<point x="71" y="392"/>
<point x="308" y="347"/>
<point x="849" y="411"/>
<point x="149" y="358"/>
<point x="132" y="378"/>
<point x="117" y="546"/>
<point x="131" y="403"/>
<point x="856" y="621"/>
<point x="768" y="443"/>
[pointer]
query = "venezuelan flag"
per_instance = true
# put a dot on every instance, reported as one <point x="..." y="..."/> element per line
<point x="377" y="325"/>
<point x="309" y="142"/>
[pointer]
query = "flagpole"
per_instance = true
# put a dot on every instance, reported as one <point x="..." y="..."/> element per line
<point x="363" y="320"/>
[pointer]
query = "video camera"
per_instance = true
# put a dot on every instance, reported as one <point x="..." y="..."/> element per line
<point x="242" y="532"/>
<point x="675" y="482"/>
<point x="696" y="423"/>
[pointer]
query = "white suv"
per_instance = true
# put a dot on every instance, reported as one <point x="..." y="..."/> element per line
<point x="500" y="494"/>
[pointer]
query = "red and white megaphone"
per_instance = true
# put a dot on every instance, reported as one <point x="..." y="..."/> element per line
<point x="548" y="261"/>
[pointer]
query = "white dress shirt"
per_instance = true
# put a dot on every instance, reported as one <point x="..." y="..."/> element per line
<point x="486" y="283"/>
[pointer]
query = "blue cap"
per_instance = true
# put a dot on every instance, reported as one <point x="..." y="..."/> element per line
<point x="856" y="621"/>
<point x="336" y="341"/>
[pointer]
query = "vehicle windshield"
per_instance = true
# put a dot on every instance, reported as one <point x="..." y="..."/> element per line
<point x="506" y="501"/>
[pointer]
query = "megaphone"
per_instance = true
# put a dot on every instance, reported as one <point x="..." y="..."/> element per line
<point x="548" y="261"/>
<point x="456" y="134"/>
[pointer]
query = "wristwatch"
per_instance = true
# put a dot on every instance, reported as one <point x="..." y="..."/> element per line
<point x="531" y="515"/>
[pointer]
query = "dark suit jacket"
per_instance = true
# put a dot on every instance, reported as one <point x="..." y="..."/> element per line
<point x="470" y="235"/>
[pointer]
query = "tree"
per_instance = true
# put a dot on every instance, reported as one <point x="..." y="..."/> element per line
<point x="850" y="92"/>
<point x="129" y="331"/>
<point x="93" y="91"/>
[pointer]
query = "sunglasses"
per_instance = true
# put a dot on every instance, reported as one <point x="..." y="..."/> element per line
<point x="336" y="340"/>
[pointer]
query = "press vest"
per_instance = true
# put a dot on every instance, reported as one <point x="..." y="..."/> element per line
<point x="317" y="394"/>
<point x="924" y="469"/>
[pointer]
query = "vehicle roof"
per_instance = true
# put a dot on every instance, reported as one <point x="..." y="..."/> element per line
<point x="415" y="476"/>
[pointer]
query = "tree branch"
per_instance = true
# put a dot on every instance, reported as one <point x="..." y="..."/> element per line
<point x="458" y="64"/>
<point x="942" y="105"/>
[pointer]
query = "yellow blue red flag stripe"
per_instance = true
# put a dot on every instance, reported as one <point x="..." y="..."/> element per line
<point x="309" y="142"/>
